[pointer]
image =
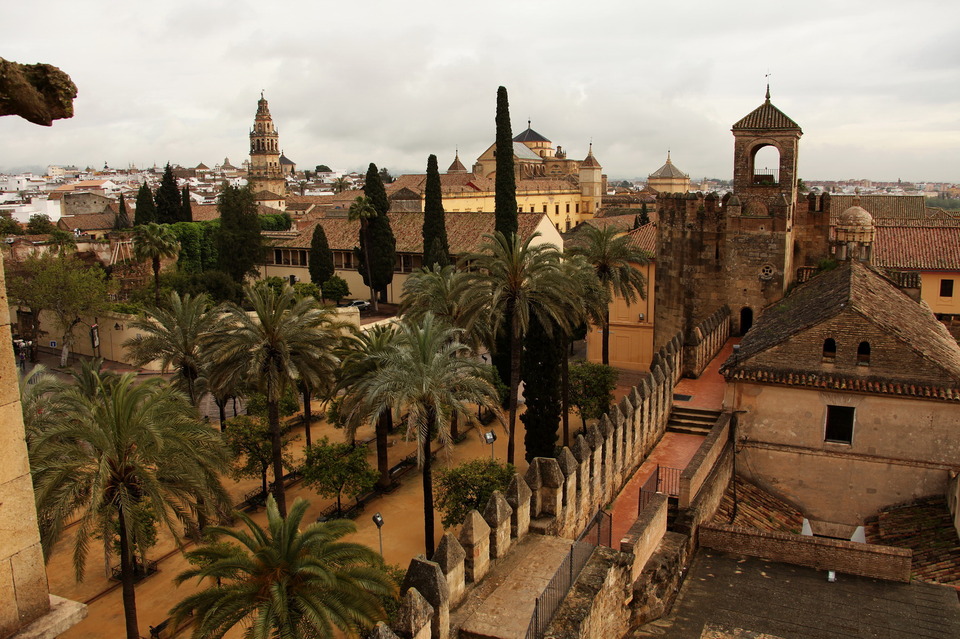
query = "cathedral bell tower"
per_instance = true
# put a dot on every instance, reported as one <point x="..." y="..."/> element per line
<point x="265" y="173"/>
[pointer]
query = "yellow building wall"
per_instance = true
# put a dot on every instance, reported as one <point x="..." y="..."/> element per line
<point x="631" y="339"/>
<point x="358" y="290"/>
<point x="556" y="202"/>
<point x="930" y="292"/>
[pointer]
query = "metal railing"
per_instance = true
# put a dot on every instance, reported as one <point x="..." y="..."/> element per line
<point x="551" y="598"/>
<point x="663" y="480"/>
<point x="766" y="176"/>
<point x="599" y="531"/>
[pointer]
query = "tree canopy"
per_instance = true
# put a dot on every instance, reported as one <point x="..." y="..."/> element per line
<point x="238" y="240"/>
<point x="321" y="257"/>
<point x="146" y="211"/>
<point x="469" y="486"/>
<point x="505" y="183"/>
<point x="168" y="200"/>
<point x="337" y="468"/>
<point x="435" y="247"/>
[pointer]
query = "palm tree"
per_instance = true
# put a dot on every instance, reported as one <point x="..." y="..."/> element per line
<point x="285" y="340"/>
<point x="614" y="257"/>
<point x="442" y="290"/>
<point x="362" y="209"/>
<point x="284" y="582"/>
<point x="429" y="376"/>
<point x="341" y="184"/>
<point x="154" y="242"/>
<point x="513" y="279"/>
<point x="126" y="451"/>
<point x="42" y="401"/>
<point x="362" y="356"/>
<point x="173" y="335"/>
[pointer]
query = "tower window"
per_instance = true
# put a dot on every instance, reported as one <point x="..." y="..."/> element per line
<point x="946" y="288"/>
<point x="839" y="426"/>
<point x="829" y="349"/>
<point x="863" y="354"/>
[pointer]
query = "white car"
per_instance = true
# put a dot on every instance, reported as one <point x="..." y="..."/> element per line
<point x="361" y="304"/>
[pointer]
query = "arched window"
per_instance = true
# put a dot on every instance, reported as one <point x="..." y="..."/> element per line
<point x="766" y="164"/>
<point x="829" y="348"/>
<point x="863" y="354"/>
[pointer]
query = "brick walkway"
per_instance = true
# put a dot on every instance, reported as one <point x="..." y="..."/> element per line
<point x="707" y="390"/>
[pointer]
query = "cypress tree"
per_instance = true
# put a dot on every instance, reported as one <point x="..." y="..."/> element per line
<point x="146" y="210"/>
<point x="383" y="245"/>
<point x="168" y="198"/>
<point x="321" y="257"/>
<point x="123" y="218"/>
<point x="644" y="215"/>
<point x="435" y="247"/>
<point x="238" y="240"/>
<point x="505" y="183"/>
<point x="186" y="209"/>
<point x="542" y="358"/>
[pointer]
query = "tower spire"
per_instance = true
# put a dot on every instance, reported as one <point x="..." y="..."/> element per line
<point x="767" y="76"/>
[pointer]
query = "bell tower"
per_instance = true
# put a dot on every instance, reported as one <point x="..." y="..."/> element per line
<point x="265" y="172"/>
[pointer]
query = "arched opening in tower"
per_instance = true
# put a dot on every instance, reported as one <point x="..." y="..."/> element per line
<point x="765" y="164"/>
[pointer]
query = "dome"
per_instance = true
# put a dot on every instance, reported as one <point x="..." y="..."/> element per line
<point x="855" y="216"/>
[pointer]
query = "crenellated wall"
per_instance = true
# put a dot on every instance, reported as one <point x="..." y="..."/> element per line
<point x="704" y="341"/>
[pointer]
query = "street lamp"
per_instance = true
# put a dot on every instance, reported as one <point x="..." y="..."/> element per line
<point x="490" y="437"/>
<point x="378" y="520"/>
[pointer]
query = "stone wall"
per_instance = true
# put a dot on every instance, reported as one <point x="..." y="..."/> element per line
<point x="866" y="560"/>
<point x="704" y="341"/>
<point x="953" y="499"/>
<point x="695" y="474"/>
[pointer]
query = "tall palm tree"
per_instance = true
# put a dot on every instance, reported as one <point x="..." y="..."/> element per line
<point x="429" y="376"/>
<point x="284" y="582"/>
<point x="284" y="340"/>
<point x="341" y="184"/>
<point x="362" y="356"/>
<point x="442" y="290"/>
<point x="174" y="336"/>
<point x="42" y="401"/>
<point x="362" y="209"/>
<point x="154" y="242"/>
<point x="512" y="279"/>
<point x="125" y="452"/>
<point x="615" y="259"/>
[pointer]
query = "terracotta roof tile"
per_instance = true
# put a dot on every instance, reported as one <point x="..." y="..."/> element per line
<point x="645" y="238"/>
<point x="881" y="207"/>
<point x="766" y="116"/>
<point x="917" y="248"/>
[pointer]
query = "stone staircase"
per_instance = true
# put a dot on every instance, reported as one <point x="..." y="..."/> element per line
<point x="692" y="421"/>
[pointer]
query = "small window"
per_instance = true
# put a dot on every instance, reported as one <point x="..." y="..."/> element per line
<point x="829" y="348"/>
<point x="839" y="428"/>
<point x="946" y="288"/>
<point x="568" y="207"/>
<point x="544" y="208"/>
<point x="863" y="354"/>
<point x="531" y="208"/>
<point x="556" y="209"/>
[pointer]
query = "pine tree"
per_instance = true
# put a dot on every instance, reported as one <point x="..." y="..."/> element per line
<point x="146" y="210"/>
<point x="542" y="358"/>
<point x="321" y="257"/>
<point x="186" y="209"/>
<point x="435" y="247"/>
<point x="238" y="240"/>
<point x="383" y="245"/>
<point x="123" y="218"/>
<point x="168" y="198"/>
<point x="505" y="183"/>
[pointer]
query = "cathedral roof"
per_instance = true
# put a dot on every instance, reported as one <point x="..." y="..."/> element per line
<point x="530" y="136"/>
<point x="457" y="166"/>
<point x="766" y="116"/>
<point x="668" y="171"/>
<point x="285" y="160"/>
<point x="590" y="162"/>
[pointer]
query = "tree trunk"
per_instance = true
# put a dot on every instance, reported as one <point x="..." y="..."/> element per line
<point x="273" y="415"/>
<point x="222" y="409"/>
<point x="606" y="338"/>
<point x="427" y="483"/>
<point x="127" y="580"/>
<point x="156" y="280"/>
<point x="366" y="261"/>
<point x="514" y="389"/>
<point x="565" y="393"/>
<point x="384" y="423"/>
<point x="307" y="414"/>
<point x="263" y="481"/>
<point x="454" y="426"/>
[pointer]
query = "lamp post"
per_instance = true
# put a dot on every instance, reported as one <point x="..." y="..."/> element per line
<point x="490" y="437"/>
<point x="479" y="415"/>
<point x="378" y="520"/>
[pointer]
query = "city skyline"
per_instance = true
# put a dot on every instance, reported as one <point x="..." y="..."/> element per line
<point x="392" y="84"/>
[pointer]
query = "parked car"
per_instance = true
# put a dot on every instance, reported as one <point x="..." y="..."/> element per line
<point x="361" y="304"/>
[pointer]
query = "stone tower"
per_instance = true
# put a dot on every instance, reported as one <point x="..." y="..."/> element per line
<point x="266" y="173"/>
<point x="738" y="251"/>
<point x="591" y="184"/>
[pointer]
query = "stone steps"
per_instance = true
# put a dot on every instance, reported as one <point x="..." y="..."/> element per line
<point x="692" y="421"/>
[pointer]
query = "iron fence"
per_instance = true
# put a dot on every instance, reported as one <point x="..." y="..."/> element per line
<point x="599" y="531"/>
<point x="648" y="490"/>
<point x="551" y="598"/>
<point x="664" y="480"/>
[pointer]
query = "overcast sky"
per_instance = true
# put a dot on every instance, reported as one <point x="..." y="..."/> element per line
<point x="875" y="85"/>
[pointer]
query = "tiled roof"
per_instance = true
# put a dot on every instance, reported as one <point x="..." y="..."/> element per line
<point x="590" y="162"/>
<point x="766" y="116"/>
<point x="668" y="171"/>
<point x="852" y="287"/>
<point x="457" y="166"/>
<point x="465" y="231"/>
<point x="883" y="208"/>
<point x="266" y="195"/>
<point x="917" y="248"/>
<point x="524" y="152"/>
<point x="285" y="160"/>
<point x="530" y="136"/>
<point x="88" y="222"/>
<point x="204" y="212"/>
<point x="202" y="167"/>
<point x="645" y="238"/>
